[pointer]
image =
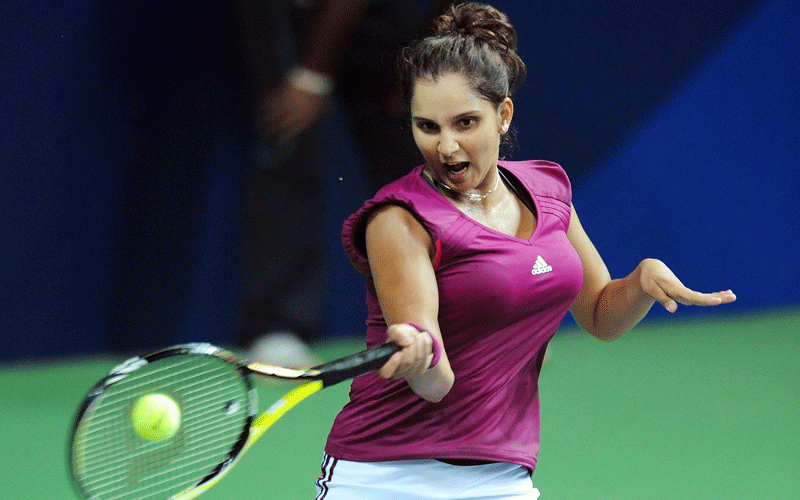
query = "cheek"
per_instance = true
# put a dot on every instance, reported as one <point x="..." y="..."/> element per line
<point x="425" y="144"/>
<point x="484" y="145"/>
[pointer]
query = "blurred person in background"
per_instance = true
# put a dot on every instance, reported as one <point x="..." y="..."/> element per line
<point x="301" y="55"/>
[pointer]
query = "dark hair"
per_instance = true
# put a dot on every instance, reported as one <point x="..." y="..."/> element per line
<point x="472" y="39"/>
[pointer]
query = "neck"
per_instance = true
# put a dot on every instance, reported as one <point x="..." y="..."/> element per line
<point x="470" y="196"/>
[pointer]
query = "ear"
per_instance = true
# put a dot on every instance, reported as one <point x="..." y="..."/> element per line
<point x="506" y="114"/>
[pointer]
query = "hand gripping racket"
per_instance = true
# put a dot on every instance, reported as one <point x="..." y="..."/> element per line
<point x="218" y="404"/>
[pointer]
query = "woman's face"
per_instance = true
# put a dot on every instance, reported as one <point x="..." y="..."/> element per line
<point x="458" y="132"/>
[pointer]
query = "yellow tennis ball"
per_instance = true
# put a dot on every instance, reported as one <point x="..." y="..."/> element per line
<point x="156" y="417"/>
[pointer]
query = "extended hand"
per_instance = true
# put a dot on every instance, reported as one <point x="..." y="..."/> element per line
<point x="659" y="282"/>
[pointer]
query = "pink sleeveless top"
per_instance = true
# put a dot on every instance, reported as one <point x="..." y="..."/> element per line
<point x="501" y="300"/>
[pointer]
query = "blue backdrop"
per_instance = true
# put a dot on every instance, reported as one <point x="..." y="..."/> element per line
<point x="678" y="125"/>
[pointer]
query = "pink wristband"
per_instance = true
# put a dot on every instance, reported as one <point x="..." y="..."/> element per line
<point x="437" y="349"/>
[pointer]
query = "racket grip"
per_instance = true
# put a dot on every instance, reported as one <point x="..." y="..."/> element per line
<point x="356" y="364"/>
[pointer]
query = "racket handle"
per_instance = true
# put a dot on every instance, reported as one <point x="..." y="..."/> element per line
<point x="356" y="364"/>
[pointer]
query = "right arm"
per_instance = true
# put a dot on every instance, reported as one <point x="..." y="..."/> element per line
<point x="399" y="250"/>
<point x="290" y="110"/>
<point x="332" y="29"/>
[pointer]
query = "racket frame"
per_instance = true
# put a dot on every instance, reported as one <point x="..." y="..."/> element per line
<point x="315" y="379"/>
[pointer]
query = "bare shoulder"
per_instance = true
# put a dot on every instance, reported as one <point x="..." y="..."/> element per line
<point x="396" y="225"/>
<point x="393" y="218"/>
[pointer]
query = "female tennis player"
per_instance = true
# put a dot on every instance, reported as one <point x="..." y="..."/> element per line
<point x="472" y="263"/>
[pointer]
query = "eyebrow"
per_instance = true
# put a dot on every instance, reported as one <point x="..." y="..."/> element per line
<point x="455" y="118"/>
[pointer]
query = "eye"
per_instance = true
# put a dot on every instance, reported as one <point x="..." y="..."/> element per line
<point x="427" y="127"/>
<point x="467" y="122"/>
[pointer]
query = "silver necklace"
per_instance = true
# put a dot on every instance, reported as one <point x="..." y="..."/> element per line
<point x="473" y="197"/>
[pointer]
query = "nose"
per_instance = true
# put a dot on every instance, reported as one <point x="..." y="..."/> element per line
<point x="448" y="145"/>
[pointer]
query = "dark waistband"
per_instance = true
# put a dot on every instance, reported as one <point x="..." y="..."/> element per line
<point x="465" y="462"/>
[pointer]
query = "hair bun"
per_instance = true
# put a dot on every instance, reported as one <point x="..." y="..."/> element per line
<point x="480" y="21"/>
<point x="473" y="40"/>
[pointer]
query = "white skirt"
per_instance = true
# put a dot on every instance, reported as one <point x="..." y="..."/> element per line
<point x="422" y="480"/>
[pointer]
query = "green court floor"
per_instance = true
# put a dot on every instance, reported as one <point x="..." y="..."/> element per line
<point x="697" y="410"/>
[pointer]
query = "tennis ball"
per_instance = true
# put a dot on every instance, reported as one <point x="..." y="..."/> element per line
<point x="156" y="417"/>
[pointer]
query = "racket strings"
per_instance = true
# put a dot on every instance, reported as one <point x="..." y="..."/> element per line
<point x="112" y="462"/>
<point x="100" y="445"/>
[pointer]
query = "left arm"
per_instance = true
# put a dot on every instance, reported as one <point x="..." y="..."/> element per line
<point x="609" y="308"/>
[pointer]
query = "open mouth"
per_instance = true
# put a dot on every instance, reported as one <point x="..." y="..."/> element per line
<point x="457" y="167"/>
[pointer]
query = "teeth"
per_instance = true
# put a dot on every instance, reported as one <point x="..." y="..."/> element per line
<point x="457" y="167"/>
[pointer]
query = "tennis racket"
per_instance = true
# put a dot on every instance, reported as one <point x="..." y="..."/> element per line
<point x="218" y="406"/>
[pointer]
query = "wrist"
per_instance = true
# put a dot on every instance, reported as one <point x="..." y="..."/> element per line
<point x="435" y="347"/>
<point x="311" y="81"/>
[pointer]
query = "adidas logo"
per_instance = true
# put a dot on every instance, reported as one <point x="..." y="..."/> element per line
<point x="540" y="267"/>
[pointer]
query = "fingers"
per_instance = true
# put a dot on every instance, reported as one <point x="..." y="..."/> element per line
<point x="662" y="298"/>
<point x="659" y="282"/>
<point x="670" y="293"/>
<point x="416" y="356"/>
<point x="725" y="297"/>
